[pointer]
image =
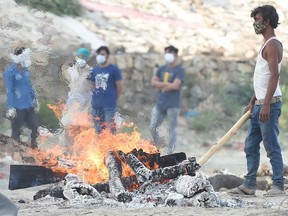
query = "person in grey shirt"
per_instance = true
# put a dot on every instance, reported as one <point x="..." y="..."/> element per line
<point x="167" y="80"/>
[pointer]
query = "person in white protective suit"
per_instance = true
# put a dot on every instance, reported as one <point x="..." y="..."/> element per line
<point x="77" y="108"/>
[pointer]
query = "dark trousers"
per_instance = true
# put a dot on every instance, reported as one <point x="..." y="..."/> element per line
<point x="26" y="117"/>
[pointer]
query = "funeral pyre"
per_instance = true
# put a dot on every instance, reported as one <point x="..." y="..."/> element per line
<point x="121" y="167"/>
<point x="132" y="177"/>
<point x="166" y="185"/>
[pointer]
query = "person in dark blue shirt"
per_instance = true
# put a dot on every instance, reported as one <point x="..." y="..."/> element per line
<point x="107" y="87"/>
<point x="21" y="98"/>
<point x="168" y="80"/>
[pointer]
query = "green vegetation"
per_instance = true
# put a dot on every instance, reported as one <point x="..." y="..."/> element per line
<point x="206" y="121"/>
<point x="58" y="7"/>
<point x="284" y="87"/>
<point x="47" y="117"/>
<point x="234" y="99"/>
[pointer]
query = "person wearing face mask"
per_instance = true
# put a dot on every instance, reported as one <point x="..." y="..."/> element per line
<point x="167" y="80"/>
<point x="76" y="78"/>
<point x="107" y="84"/>
<point x="79" y="95"/>
<point x="265" y="106"/>
<point x="21" y="98"/>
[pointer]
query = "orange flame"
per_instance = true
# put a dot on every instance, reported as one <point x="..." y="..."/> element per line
<point x="88" y="150"/>
<point x="57" y="109"/>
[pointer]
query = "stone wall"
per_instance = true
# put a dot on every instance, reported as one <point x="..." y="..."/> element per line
<point x="216" y="40"/>
<point x="202" y="74"/>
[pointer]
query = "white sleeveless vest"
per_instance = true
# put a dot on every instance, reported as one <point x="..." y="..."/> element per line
<point x="262" y="75"/>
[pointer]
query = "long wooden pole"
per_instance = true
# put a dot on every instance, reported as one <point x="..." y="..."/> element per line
<point x="225" y="138"/>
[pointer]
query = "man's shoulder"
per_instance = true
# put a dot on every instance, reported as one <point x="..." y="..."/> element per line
<point x="162" y="68"/>
<point x="108" y="67"/>
<point x="95" y="69"/>
<point x="113" y="66"/>
<point x="179" y="67"/>
<point x="273" y="46"/>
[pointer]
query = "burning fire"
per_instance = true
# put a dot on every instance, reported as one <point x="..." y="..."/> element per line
<point x="86" y="155"/>
<point x="57" y="109"/>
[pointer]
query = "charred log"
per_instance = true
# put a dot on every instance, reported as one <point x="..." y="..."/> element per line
<point x="115" y="184"/>
<point x="172" y="159"/>
<point x="227" y="181"/>
<point x="150" y="160"/>
<point x="144" y="174"/>
<point x="55" y="190"/>
<point x="154" y="160"/>
<point x="128" y="183"/>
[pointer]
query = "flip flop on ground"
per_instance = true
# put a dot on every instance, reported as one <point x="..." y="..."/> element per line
<point x="275" y="191"/>
<point x="242" y="191"/>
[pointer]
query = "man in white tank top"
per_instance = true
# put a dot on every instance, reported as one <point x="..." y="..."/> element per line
<point x="265" y="106"/>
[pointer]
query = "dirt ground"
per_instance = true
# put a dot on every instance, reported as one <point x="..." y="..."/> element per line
<point x="230" y="159"/>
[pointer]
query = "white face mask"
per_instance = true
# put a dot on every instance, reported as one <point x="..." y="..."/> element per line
<point x="80" y="62"/>
<point x="26" y="63"/>
<point x="101" y="59"/>
<point x="23" y="58"/>
<point x="169" y="58"/>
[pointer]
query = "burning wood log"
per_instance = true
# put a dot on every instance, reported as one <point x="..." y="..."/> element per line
<point x="150" y="160"/>
<point x="144" y="174"/>
<point x="115" y="184"/>
<point x="154" y="160"/>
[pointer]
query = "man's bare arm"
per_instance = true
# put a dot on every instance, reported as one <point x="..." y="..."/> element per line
<point x="157" y="83"/>
<point x="272" y="56"/>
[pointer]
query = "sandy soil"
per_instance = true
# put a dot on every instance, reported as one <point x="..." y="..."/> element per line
<point x="231" y="159"/>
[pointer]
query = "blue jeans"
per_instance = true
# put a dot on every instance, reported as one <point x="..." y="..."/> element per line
<point x="268" y="133"/>
<point x="104" y="118"/>
<point x="157" y="118"/>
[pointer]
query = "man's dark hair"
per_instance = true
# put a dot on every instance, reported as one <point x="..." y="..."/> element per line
<point x="103" y="48"/>
<point x="171" y="49"/>
<point x="19" y="50"/>
<point x="268" y="12"/>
